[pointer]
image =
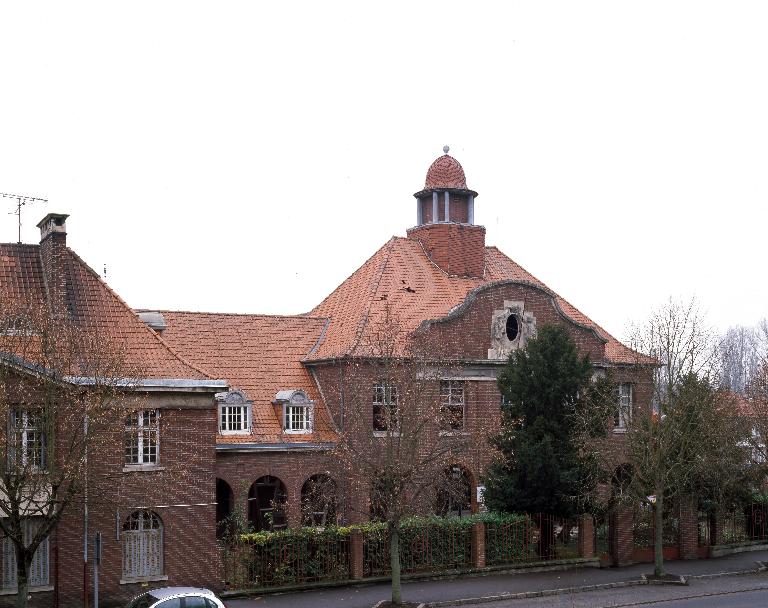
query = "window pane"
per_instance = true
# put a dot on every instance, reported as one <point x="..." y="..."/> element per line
<point x="452" y="403"/>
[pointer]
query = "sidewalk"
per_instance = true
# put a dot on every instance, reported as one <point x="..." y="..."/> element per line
<point x="469" y="587"/>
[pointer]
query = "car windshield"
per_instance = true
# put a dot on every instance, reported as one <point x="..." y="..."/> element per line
<point x="143" y="601"/>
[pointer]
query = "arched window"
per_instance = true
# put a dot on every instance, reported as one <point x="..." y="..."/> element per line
<point x="266" y="504"/>
<point x="142" y="546"/>
<point x="224" y="500"/>
<point x="318" y="501"/>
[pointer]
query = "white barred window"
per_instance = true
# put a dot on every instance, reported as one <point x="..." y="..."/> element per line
<point x="142" y="437"/>
<point x="452" y="404"/>
<point x="623" y="413"/>
<point x="234" y="412"/>
<point x="234" y="418"/>
<point x="27" y="447"/>
<point x="298" y="411"/>
<point x="296" y="418"/>
<point x="385" y="407"/>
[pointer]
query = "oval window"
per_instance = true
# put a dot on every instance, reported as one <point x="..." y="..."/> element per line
<point x="513" y="328"/>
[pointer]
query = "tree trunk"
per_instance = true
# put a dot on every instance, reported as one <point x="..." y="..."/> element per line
<point x="394" y="561"/>
<point x="22" y="580"/>
<point x="658" y="534"/>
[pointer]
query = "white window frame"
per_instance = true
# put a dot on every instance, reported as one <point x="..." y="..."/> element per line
<point x="385" y="396"/>
<point x="625" y="400"/>
<point x="449" y="400"/>
<point x="21" y="445"/>
<point x="301" y="414"/>
<point x="139" y="564"/>
<point x="39" y="574"/>
<point x="290" y="400"/>
<point x="138" y="432"/>
<point x="225" y="416"/>
<point x="228" y="404"/>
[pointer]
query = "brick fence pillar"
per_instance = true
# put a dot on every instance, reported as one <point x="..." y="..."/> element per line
<point x="586" y="536"/>
<point x="621" y="535"/>
<point x="356" y="555"/>
<point x="478" y="545"/>
<point x="688" y="540"/>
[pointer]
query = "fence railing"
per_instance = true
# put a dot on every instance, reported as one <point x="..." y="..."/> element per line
<point x="530" y="539"/>
<point x="285" y="559"/>
<point x="742" y="525"/>
<point x="306" y="555"/>
<point x="433" y="547"/>
<point x="644" y="527"/>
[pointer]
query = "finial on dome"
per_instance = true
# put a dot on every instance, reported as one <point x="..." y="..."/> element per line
<point x="445" y="149"/>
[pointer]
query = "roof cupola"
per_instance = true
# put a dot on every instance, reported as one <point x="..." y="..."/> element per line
<point x="445" y="220"/>
<point x="445" y="197"/>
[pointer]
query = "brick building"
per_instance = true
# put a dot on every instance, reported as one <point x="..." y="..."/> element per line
<point x="242" y="409"/>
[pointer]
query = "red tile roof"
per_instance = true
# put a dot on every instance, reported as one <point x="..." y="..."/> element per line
<point x="260" y="354"/>
<point x="401" y="263"/>
<point x="445" y="172"/>
<point x="93" y="305"/>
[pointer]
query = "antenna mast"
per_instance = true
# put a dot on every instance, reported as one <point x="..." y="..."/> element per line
<point x="21" y="200"/>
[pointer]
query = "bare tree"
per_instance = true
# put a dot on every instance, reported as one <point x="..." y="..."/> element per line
<point x="740" y="357"/>
<point x="63" y="389"/>
<point x="405" y="435"/>
<point x="693" y="441"/>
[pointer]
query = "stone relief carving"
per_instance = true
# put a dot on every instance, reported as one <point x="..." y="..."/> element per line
<point x="510" y="329"/>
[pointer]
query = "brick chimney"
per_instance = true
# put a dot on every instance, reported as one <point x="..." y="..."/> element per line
<point x="53" y="251"/>
<point x="445" y="220"/>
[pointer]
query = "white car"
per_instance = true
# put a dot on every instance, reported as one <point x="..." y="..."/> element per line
<point x="177" y="597"/>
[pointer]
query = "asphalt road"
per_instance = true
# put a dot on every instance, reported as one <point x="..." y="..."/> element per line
<point x="738" y="591"/>
<point x="735" y="591"/>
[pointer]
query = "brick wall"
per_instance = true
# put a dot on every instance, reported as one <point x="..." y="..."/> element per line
<point x="180" y="492"/>
<point x="459" y="249"/>
<point x="467" y="334"/>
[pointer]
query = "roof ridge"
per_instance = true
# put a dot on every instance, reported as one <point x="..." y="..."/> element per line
<point x="389" y="245"/>
<point x="354" y="272"/>
<point x="151" y="332"/>
<point x="596" y="326"/>
<point x="228" y="314"/>
<point x="30" y="245"/>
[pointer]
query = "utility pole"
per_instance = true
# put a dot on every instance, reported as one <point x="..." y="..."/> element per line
<point x="21" y="200"/>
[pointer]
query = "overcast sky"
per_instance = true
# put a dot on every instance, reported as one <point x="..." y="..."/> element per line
<point x="249" y="156"/>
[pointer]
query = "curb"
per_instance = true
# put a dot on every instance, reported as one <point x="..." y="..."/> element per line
<point x="550" y="566"/>
<point x="531" y="594"/>
<point x="761" y="567"/>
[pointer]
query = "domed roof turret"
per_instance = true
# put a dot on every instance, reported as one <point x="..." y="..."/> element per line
<point x="446" y="173"/>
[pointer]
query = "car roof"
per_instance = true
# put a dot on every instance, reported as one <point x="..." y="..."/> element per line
<point x="165" y="592"/>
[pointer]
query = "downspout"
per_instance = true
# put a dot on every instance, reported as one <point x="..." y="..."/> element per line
<point x="341" y="398"/>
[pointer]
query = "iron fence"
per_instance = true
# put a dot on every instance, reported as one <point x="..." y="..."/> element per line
<point x="530" y="539"/>
<point x="742" y="525"/>
<point x="644" y="527"/>
<point x="433" y="547"/>
<point x="284" y="560"/>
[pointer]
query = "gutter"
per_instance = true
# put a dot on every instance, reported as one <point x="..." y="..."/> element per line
<point x="154" y="384"/>
<point x="274" y="447"/>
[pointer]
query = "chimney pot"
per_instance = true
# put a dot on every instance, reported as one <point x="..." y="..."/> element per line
<point x="51" y="223"/>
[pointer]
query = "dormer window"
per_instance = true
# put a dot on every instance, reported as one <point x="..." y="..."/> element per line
<point x="298" y="411"/>
<point x="234" y="413"/>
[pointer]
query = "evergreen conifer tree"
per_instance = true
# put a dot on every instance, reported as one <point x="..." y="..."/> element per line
<point x="540" y="467"/>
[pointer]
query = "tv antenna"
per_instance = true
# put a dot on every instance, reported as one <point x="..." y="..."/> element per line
<point x="22" y="200"/>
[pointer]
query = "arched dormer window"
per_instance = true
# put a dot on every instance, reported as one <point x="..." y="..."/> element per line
<point x="298" y="411"/>
<point x="234" y="413"/>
